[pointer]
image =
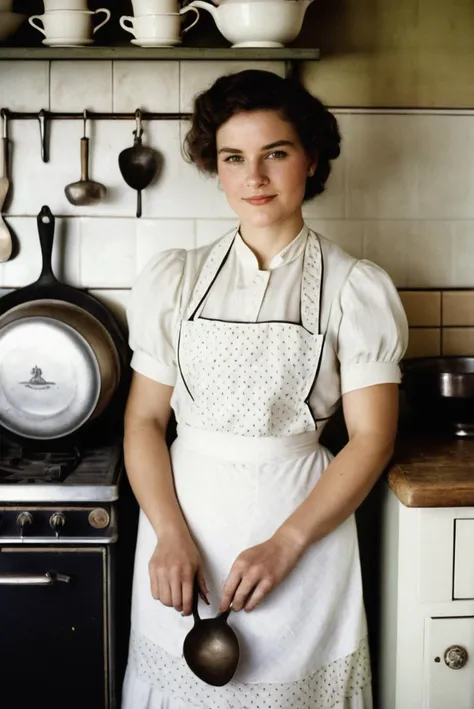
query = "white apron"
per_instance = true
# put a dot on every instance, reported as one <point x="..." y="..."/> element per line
<point x="246" y="455"/>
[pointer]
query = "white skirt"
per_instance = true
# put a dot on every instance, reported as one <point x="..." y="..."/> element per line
<point x="305" y="646"/>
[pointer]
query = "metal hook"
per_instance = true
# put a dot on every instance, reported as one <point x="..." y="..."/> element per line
<point x="138" y="119"/>
<point x="4" y="114"/>
<point x="42" y="115"/>
<point x="84" y="114"/>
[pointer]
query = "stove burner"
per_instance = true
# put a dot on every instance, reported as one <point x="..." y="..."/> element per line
<point x="29" y="466"/>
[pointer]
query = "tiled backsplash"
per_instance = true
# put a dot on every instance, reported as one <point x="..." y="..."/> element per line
<point x="401" y="194"/>
<point x="441" y="322"/>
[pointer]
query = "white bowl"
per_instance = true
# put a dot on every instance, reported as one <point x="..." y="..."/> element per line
<point x="9" y="23"/>
<point x="257" y="23"/>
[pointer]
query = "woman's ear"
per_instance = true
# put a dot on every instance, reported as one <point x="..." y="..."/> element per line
<point x="312" y="167"/>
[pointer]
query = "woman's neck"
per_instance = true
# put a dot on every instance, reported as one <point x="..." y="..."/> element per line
<point x="267" y="242"/>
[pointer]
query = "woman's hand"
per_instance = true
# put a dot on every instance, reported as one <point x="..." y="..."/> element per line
<point x="172" y="568"/>
<point x="257" y="570"/>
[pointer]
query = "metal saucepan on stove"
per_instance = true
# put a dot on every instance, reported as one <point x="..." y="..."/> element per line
<point x="442" y="390"/>
<point x="62" y="354"/>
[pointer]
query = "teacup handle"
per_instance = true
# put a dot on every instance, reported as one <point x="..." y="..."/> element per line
<point x="33" y="24"/>
<point x="107" y="18"/>
<point x="187" y="9"/>
<point x="125" y="27"/>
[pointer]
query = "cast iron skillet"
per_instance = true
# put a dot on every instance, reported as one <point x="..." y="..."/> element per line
<point x="48" y="287"/>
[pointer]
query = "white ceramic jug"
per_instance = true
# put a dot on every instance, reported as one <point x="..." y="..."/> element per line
<point x="257" y="23"/>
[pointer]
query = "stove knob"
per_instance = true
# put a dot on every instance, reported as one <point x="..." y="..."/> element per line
<point x="56" y="521"/>
<point x="99" y="518"/>
<point x="24" y="519"/>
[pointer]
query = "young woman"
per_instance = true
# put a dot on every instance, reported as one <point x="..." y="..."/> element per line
<point x="254" y="341"/>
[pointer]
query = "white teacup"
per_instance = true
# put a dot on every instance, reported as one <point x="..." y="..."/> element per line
<point x="154" y="7"/>
<point x="50" y="5"/>
<point x="159" y="27"/>
<point x="68" y="24"/>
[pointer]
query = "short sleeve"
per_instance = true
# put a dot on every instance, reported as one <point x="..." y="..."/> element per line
<point x="153" y="315"/>
<point x="373" y="332"/>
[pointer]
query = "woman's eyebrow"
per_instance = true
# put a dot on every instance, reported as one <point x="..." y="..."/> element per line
<point x="276" y="144"/>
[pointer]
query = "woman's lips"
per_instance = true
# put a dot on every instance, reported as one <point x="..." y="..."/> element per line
<point x="259" y="201"/>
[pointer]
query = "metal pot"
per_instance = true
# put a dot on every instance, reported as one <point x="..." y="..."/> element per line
<point x="442" y="390"/>
<point x="62" y="355"/>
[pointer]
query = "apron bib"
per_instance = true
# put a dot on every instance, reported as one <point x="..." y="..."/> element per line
<point x="251" y="379"/>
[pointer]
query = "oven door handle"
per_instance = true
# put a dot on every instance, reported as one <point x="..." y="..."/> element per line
<point x="47" y="579"/>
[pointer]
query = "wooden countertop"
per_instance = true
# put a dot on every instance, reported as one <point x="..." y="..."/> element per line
<point x="432" y="470"/>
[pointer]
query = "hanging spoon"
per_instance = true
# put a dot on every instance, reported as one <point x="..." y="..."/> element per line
<point x="138" y="164"/>
<point x="85" y="191"/>
<point x="211" y="648"/>
<point x="5" y="236"/>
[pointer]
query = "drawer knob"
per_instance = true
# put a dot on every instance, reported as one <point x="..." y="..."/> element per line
<point x="455" y="657"/>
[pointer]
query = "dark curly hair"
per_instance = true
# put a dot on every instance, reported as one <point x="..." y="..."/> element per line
<point x="256" y="90"/>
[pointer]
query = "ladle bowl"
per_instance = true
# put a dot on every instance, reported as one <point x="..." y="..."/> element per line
<point x="138" y="166"/>
<point x="211" y="648"/>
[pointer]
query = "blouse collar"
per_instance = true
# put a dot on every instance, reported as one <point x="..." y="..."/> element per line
<point x="289" y="253"/>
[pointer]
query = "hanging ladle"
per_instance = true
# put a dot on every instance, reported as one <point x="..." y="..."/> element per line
<point x="5" y="236"/>
<point x="211" y="648"/>
<point x="138" y="164"/>
<point x="85" y="191"/>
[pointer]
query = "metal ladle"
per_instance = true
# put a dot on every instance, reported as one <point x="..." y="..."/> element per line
<point x="5" y="236"/>
<point x="138" y="164"/>
<point x="85" y="191"/>
<point x="211" y="648"/>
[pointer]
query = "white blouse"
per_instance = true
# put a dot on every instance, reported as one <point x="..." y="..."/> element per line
<point x="362" y="316"/>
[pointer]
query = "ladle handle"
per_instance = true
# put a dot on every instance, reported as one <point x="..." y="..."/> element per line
<point x="84" y="159"/>
<point x="45" y="221"/>
<point x="6" y="157"/>
<point x="196" y="615"/>
<point x="139" y="203"/>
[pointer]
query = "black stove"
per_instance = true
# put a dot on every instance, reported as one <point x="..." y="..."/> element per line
<point x="74" y="472"/>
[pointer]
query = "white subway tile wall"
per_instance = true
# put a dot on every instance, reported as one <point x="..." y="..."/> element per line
<point x="401" y="194"/>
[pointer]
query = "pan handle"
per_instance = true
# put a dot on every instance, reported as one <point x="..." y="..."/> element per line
<point x="46" y="221"/>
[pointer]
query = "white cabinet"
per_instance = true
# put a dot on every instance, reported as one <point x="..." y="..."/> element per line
<point x="449" y="663"/>
<point x="464" y="559"/>
<point x="427" y="607"/>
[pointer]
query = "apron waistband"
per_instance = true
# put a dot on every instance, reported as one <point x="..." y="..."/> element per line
<point x="243" y="449"/>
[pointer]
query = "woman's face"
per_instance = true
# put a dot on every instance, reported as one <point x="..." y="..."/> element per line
<point x="262" y="167"/>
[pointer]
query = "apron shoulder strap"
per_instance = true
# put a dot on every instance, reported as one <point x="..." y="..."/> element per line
<point x="209" y="272"/>
<point x="311" y="284"/>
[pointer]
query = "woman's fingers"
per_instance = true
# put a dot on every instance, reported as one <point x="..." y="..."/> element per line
<point x="258" y="594"/>
<point x="203" y="590"/>
<point x="176" y="586"/>
<point x="230" y="587"/>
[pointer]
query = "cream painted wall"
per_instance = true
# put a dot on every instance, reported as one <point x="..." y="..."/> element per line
<point x="391" y="53"/>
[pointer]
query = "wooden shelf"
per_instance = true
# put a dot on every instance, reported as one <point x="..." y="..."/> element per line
<point x="178" y="53"/>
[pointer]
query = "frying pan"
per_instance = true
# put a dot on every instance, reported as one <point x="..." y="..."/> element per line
<point x="62" y="354"/>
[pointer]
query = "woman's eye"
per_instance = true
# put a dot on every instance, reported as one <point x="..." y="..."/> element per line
<point x="233" y="158"/>
<point x="278" y="154"/>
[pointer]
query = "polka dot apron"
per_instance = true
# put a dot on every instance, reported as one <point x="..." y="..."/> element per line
<point x="246" y="456"/>
<point x="252" y="379"/>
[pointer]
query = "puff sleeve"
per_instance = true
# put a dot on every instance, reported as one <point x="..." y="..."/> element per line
<point x="373" y="332"/>
<point x="153" y="316"/>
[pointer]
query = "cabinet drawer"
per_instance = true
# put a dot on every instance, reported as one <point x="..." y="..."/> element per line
<point x="463" y="559"/>
<point x="446" y="687"/>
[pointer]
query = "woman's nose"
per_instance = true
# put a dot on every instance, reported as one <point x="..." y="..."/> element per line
<point x="256" y="176"/>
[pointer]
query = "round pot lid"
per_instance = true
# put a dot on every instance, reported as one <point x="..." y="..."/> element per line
<point x="49" y="378"/>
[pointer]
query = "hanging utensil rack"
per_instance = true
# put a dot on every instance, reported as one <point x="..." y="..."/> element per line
<point x="91" y="115"/>
<point x="44" y="117"/>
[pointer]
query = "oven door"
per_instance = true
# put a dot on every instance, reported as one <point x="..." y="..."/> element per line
<point x="54" y="626"/>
